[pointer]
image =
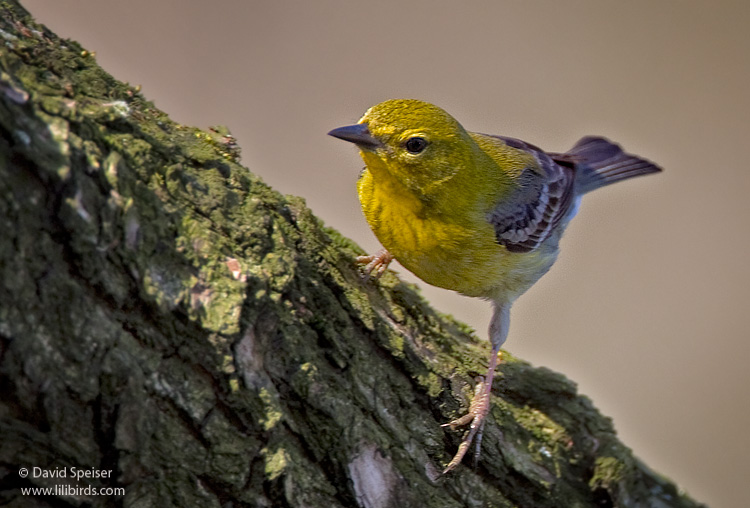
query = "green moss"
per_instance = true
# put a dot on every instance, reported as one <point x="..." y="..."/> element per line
<point x="273" y="411"/>
<point x="277" y="462"/>
<point x="541" y="426"/>
<point x="432" y="383"/>
<point x="608" y="472"/>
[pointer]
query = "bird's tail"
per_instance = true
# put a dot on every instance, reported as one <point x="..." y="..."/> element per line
<point x="599" y="162"/>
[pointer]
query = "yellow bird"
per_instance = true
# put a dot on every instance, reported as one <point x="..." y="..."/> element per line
<point x="475" y="213"/>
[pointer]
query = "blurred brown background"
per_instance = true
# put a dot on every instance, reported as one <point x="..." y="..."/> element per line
<point x="646" y="306"/>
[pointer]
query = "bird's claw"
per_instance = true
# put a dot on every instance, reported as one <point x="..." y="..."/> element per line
<point x="478" y="410"/>
<point x="377" y="263"/>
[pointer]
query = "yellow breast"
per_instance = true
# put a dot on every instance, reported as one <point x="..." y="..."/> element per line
<point x="455" y="250"/>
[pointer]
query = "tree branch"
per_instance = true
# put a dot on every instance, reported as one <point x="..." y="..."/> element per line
<point x="170" y="322"/>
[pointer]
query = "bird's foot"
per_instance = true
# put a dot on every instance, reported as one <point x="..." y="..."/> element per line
<point x="478" y="410"/>
<point x="377" y="263"/>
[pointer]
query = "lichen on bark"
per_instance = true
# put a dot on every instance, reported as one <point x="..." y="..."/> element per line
<point x="167" y="316"/>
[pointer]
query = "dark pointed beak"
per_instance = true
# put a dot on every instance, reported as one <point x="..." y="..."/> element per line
<point x="357" y="134"/>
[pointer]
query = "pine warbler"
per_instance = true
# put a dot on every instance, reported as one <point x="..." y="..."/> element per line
<point x="475" y="213"/>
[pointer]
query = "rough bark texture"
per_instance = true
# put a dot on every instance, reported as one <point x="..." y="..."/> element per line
<point x="166" y="316"/>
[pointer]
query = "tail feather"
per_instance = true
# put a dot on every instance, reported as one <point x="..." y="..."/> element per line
<point x="599" y="162"/>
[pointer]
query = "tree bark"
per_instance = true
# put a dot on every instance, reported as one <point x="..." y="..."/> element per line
<point x="190" y="337"/>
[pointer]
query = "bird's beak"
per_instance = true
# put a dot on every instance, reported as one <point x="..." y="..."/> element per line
<point x="357" y="134"/>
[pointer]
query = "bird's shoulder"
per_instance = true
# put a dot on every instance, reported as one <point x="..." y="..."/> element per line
<point x="542" y="195"/>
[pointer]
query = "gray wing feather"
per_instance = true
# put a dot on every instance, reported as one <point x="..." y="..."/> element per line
<point x="527" y="219"/>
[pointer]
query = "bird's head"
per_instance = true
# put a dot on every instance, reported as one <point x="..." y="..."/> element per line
<point x="415" y="142"/>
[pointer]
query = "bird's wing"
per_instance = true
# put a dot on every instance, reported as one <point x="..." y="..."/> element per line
<point x="544" y="196"/>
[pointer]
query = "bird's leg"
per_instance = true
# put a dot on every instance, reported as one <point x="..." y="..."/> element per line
<point x="480" y="405"/>
<point x="377" y="263"/>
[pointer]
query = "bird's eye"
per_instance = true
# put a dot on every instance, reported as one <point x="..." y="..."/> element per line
<point x="416" y="144"/>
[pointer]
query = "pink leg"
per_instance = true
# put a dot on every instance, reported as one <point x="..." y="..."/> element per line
<point x="480" y="405"/>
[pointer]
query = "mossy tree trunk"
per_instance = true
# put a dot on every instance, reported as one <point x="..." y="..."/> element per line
<point x="167" y="317"/>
